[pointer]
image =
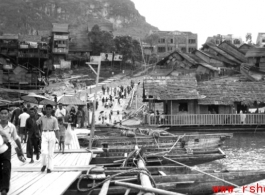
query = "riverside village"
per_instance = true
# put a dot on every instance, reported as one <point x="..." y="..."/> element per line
<point x="95" y="100"/>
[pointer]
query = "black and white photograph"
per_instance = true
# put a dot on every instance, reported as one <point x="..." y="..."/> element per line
<point x="132" y="97"/>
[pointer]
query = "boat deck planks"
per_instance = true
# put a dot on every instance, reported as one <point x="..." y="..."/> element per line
<point x="27" y="179"/>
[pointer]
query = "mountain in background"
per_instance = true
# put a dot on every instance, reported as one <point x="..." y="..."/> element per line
<point x="35" y="16"/>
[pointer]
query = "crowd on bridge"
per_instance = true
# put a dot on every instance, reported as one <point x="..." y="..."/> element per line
<point x="112" y="100"/>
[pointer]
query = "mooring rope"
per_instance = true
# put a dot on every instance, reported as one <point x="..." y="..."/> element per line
<point x="196" y="169"/>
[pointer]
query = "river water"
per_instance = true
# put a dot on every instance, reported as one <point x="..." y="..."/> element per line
<point x="245" y="151"/>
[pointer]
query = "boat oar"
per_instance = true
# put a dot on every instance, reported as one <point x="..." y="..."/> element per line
<point x="146" y="189"/>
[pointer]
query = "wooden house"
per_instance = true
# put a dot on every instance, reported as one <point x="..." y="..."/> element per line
<point x="178" y="94"/>
<point x="60" y="42"/>
<point x="207" y="69"/>
<point x="9" y="45"/>
<point x="245" y="47"/>
<point x="213" y="49"/>
<point x="18" y="76"/>
<point x="252" y="72"/>
<point x="33" y="52"/>
<point x="256" y="56"/>
<point x="233" y="51"/>
<point x="216" y="102"/>
<point x="178" y="59"/>
<point x="229" y="94"/>
<point x="210" y="59"/>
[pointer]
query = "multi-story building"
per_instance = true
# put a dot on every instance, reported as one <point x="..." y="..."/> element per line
<point x="170" y="40"/>
<point x="218" y="39"/>
<point x="261" y="40"/>
<point x="60" y="43"/>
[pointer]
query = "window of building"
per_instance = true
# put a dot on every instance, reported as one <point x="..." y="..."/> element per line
<point x="236" y="41"/>
<point x="192" y="41"/>
<point x="162" y="40"/>
<point x="191" y="49"/>
<point x="161" y="49"/>
<point x="183" y="107"/>
<point x="170" y="48"/>
<point x="171" y="41"/>
<point x="217" y="42"/>
<point x="213" y="109"/>
<point x="263" y="40"/>
<point x="183" y="49"/>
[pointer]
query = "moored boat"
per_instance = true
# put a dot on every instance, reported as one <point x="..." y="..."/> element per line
<point x="156" y="158"/>
<point x="190" y="141"/>
<point x="191" y="184"/>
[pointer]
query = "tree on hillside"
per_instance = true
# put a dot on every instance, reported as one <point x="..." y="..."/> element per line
<point x="249" y="38"/>
<point x="101" y="41"/>
<point x="151" y="39"/>
<point x="128" y="47"/>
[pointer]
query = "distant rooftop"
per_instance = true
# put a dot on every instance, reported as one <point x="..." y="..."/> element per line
<point x="171" y="32"/>
<point x="9" y="36"/>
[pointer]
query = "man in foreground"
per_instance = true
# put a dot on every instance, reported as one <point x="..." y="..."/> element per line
<point x="49" y="126"/>
<point x="7" y="132"/>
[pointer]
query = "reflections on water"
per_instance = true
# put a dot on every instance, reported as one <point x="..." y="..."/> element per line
<point x="245" y="151"/>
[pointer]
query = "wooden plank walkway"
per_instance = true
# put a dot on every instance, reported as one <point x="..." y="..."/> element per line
<point x="29" y="183"/>
<point x="27" y="179"/>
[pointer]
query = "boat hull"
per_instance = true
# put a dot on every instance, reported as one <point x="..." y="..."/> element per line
<point x="159" y="160"/>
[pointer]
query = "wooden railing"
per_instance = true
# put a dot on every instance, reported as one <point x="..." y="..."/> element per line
<point x="206" y="119"/>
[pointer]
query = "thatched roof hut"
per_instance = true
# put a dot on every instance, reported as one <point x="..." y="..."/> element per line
<point x="171" y="88"/>
<point x="228" y="92"/>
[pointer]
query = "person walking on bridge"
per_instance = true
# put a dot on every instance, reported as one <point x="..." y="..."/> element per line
<point x="49" y="128"/>
<point x="32" y="130"/>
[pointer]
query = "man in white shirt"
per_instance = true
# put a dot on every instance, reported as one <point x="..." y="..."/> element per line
<point x="49" y="126"/>
<point x="7" y="132"/>
<point x="22" y="122"/>
<point x="60" y="112"/>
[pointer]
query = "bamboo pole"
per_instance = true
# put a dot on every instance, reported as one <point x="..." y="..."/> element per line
<point x="144" y="188"/>
<point x="94" y="108"/>
<point x="145" y="180"/>
<point x="127" y="191"/>
<point x="105" y="188"/>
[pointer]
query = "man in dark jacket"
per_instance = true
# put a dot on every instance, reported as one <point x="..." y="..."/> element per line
<point x="33" y="135"/>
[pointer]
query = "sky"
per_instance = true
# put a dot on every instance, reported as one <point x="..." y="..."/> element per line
<point x="205" y="17"/>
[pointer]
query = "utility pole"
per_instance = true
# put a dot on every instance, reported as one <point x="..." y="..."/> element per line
<point x="187" y="42"/>
<point x="142" y="52"/>
<point x="94" y="103"/>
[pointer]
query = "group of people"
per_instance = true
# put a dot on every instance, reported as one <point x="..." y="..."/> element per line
<point x="40" y="131"/>
<point x="158" y="118"/>
<point x="109" y="98"/>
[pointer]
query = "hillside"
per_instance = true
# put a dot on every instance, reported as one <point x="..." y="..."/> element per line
<point x="31" y="16"/>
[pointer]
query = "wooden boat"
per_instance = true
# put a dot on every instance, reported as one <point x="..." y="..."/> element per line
<point x="191" y="184"/>
<point x="191" y="141"/>
<point x="147" y="150"/>
<point x="116" y="158"/>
